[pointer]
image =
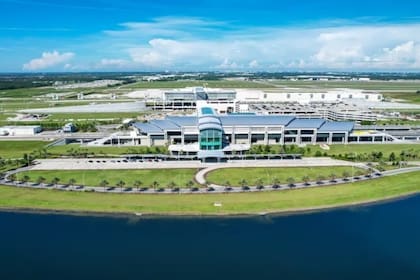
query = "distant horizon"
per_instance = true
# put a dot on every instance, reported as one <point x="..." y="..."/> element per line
<point x="209" y="35"/>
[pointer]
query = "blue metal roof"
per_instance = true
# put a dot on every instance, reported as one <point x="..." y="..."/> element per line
<point x="306" y="123"/>
<point x="255" y="120"/>
<point x="148" y="128"/>
<point x="183" y="120"/>
<point x="165" y="124"/>
<point x="337" y="126"/>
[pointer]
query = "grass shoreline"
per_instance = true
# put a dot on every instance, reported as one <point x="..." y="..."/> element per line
<point x="218" y="215"/>
<point x="287" y="201"/>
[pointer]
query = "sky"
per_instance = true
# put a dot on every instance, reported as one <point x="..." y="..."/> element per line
<point x="209" y="35"/>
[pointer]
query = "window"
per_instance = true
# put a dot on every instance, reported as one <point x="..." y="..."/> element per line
<point x="211" y="139"/>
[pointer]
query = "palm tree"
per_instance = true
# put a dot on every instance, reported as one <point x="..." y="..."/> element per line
<point x="346" y="175"/>
<point x="305" y="179"/>
<point x="171" y="185"/>
<point x="190" y="184"/>
<point x="120" y="184"/>
<point x="72" y="181"/>
<point x="55" y="181"/>
<point x="12" y="177"/>
<point x="137" y="184"/>
<point x="154" y="185"/>
<point x="227" y="183"/>
<point x="320" y="178"/>
<point x="40" y="180"/>
<point x="259" y="183"/>
<point x="243" y="183"/>
<point x="332" y="177"/>
<point x="291" y="181"/>
<point x="25" y="179"/>
<point x="276" y="181"/>
<point x="103" y="184"/>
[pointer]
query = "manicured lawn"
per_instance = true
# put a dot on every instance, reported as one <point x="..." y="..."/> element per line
<point x="110" y="150"/>
<point x="16" y="149"/>
<point x="386" y="149"/>
<point x="12" y="197"/>
<point x="267" y="175"/>
<point x="93" y="177"/>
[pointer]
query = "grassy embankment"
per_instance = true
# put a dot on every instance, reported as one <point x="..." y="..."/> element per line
<point x="16" y="149"/>
<point x="291" y="200"/>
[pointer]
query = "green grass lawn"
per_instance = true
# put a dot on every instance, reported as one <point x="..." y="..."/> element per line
<point x="267" y="175"/>
<point x="386" y="149"/>
<point x="93" y="177"/>
<point x="110" y="150"/>
<point x="299" y="199"/>
<point x="16" y="149"/>
<point x="411" y="97"/>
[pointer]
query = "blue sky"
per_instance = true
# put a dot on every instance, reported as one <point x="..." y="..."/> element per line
<point x="103" y="35"/>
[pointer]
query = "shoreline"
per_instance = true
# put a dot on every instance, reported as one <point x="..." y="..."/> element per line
<point x="151" y="215"/>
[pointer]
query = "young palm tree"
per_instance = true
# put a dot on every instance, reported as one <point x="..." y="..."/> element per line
<point x="320" y="178"/>
<point x="171" y="185"/>
<point x="305" y="179"/>
<point x="190" y="184"/>
<point x="40" y="180"/>
<point x="137" y="184"/>
<point x="25" y="179"/>
<point x="243" y="183"/>
<point x="333" y="177"/>
<point x="259" y="183"/>
<point x="72" y="181"/>
<point x="103" y="184"/>
<point x="120" y="184"/>
<point x="276" y="181"/>
<point x="12" y="177"/>
<point x="154" y="185"/>
<point x="55" y="181"/>
<point x="291" y="181"/>
<point x="346" y="174"/>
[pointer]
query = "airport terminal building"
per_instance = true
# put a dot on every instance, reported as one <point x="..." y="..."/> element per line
<point x="210" y="135"/>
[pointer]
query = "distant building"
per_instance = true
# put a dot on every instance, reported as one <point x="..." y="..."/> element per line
<point x="20" y="130"/>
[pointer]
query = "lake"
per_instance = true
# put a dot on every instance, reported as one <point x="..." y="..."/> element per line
<point x="370" y="242"/>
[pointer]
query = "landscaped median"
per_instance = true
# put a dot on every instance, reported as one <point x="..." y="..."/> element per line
<point x="204" y="204"/>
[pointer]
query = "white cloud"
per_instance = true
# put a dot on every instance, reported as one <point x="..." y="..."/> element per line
<point x="253" y="64"/>
<point x="106" y="62"/>
<point x="47" y="60"/>
<point x="346" y="47"/>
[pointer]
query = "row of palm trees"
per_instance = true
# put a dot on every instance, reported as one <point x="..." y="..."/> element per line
<point x="305" y="179"/>
<point x="190" y="184"/>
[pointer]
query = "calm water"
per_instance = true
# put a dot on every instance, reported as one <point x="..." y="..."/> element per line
<point x="375" y="242"/>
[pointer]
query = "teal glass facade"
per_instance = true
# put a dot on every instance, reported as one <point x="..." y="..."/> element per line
<point x="211" y="139"/>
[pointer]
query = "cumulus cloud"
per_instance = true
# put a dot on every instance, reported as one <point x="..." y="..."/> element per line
<point x="47" y="60"/>
<point x="194" y="44"/>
